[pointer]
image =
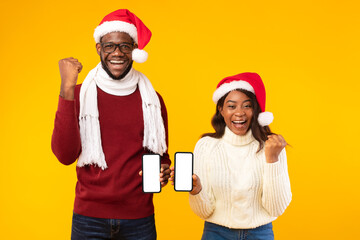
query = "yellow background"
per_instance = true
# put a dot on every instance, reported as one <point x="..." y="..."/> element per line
<point x="307" y="53"/>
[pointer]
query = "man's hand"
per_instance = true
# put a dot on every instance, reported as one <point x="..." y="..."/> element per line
<point x="69" y="71"/>
<point x="273" y="146"/>
<point x="164" y="174"/>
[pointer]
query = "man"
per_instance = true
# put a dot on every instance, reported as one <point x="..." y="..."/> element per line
<point x="108" y="123"/>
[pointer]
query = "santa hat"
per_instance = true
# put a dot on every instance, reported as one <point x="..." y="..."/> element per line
<point x="248" y="81"/>
<point x="123" y="20"/>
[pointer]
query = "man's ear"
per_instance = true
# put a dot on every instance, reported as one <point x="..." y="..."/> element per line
<point x="98" y="48"/>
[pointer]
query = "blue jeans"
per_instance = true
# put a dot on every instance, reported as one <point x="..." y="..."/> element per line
<point x="90" y="228"/>
<point x="216" y="232"/>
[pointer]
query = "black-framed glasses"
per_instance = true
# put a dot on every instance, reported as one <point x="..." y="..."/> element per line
<point x="110" y="47"/>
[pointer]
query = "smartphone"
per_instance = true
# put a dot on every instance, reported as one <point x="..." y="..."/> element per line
<point x="150" y="173"/>
<point x="183" y="171"/>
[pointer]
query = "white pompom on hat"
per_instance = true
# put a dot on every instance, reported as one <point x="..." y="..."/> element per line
<point x="123" y="20"/>
<point x="251" y="82"/>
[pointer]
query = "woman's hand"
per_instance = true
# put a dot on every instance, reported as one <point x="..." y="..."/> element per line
<point x="196" y="185"/>
<point x="196" y="181"/>
<point x="172" y="174"/>
<point x="273" y="146"/>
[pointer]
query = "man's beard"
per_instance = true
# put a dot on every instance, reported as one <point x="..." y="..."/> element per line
<point x="111" y="75"/>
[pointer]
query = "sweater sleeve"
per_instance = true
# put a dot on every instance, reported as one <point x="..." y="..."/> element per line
<point x="202" y="204"/>
<point x="65" y="142"/>
<point x="165" y="159"/>
<point x="276" y="189"/>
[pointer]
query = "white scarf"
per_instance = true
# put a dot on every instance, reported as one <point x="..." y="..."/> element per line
<point x="154" y="131"/>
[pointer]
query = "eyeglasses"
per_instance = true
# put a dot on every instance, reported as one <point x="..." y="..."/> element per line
<point x="110" y="47"/>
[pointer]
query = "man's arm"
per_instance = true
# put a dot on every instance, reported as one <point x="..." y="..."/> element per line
<point x="66" y="142"/>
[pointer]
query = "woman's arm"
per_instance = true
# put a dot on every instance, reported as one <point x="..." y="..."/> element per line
<point x="202" y="203"/>
<point x="276" y="186"/>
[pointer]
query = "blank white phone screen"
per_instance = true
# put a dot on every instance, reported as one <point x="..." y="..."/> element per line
<point x="151" y="171"/>
<point x="183" y="171"/>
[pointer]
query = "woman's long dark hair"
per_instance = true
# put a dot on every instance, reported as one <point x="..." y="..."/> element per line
<point x="260" y="133"/>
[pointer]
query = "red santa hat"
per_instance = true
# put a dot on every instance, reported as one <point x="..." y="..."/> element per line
<point x="248" y="81"/>
<point x="123" y="20"/>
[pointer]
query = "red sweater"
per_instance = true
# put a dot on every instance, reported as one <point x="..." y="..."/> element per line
<point x="115" y="192"/>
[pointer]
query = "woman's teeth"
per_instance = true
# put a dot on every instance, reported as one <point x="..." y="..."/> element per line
<point x="239" y="122"/>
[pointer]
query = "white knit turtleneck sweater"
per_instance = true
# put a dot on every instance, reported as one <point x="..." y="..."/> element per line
<point x="239" y="189"/>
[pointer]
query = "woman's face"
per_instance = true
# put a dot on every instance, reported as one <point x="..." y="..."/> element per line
<point x="237" y="112"/>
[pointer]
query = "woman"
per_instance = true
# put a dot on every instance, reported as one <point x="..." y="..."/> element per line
<point x="241" y="183"/>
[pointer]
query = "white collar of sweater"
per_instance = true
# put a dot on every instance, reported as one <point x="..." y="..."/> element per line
<point x="238" y="140"/>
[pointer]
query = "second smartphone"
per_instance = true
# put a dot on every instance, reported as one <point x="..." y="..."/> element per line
<point x="184" y="162"/>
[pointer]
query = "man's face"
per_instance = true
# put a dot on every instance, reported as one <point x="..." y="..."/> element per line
<point x="116" y="63"/>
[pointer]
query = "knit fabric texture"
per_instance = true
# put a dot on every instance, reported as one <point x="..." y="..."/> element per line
<point x="239" y="188"/>
<point x="154" y="132"/>
<point x="115" y="192"/>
